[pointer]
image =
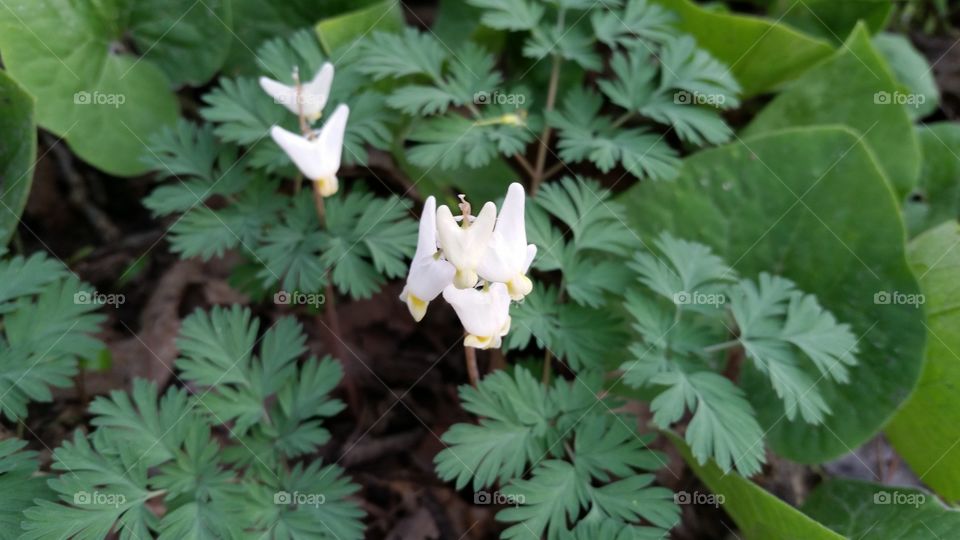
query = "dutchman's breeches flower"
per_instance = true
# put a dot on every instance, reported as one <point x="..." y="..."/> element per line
<point x="317" y="157"/>
<point x="429" y="273"/>
<point x="308" y="98"/>
<point x="485" y="313"/>
<point x="508" y="256"/>
<point x="454" y="253"/>
<point x="465" y="243"/>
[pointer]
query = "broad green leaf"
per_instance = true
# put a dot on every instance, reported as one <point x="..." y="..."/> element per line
<point x="759" y="514"/>
<point x="863" y="510"/>
<point x="761" y="54"/>
<point x="926" y="430"/>
<point x="763" y="210"/>
<point x="335" y="32"/>
<point x="912" y="70"/>
<point x="187" y="39"/>
<point x="936" y="197"/>
<point x="854" y="87"/>
<point x="18" y="150"/>
<point x="832" y="19"/>
<point x="103" y="101"/>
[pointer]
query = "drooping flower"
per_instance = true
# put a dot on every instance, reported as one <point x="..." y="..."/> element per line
<point x="311" y="97"/>
<point x="484" y="313"/>
<point x="465" y="243"/>
<point x="429" y="273"/>
<point x="508" y="255"/>
<point x="317" y="157"/>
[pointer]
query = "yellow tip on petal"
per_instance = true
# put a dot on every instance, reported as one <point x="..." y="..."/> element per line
<point x="519" y="287"/>
<point x="478" y="342"/>
<point x="465" y="279"/>
<point x="417" y="307"/>
<point x="327" y="186"/>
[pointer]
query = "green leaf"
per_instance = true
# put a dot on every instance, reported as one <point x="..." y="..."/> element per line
<point x="150" y="429"/>
<point x="742" y="200"/>
<point x="515" y="411"/>
<point x="18" y="150"/>
<point x="342" y="30"/>
<point x="586" y="135"/>
<point x="20" y="485"/>
<point x="580" y="336"/>
<point x="832" y="20"/>
<point x="936" y="198"/>
<point x="867" y="102"/>
<point x="187" y="40"/>
<point x="911" y="69"/>
<point x="105" y="103"/>
<point x="509" y="14"/>
<point x="555" y="495"/>
<point x="723" y="427"/>
<point x="758" y="513"/>
<point x="398" y="55"/>
<point x="639" y="18"/>
<point x="99" y="493"/>
<point x="761" y="54"/>
<point x="926" y="429"/>
<point x="861" y="510"/>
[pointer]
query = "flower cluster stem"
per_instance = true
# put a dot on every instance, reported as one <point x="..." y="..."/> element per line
<point x="473" y="372"/>
<point x="538" y="172"/>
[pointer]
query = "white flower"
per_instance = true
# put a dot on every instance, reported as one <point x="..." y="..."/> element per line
<point x="429" y="274"/>
<point x="310" y="99"/>
<point x="318" y="158"/>
<point x="464" y="243"/>
<point x="508" y="256"/>
<point x="484" y="313"/>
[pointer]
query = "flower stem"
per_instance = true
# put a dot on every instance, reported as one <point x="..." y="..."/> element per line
<point x="320" y="205"/>
<point x="545" y="134"/>
<point x="470" y="354"/>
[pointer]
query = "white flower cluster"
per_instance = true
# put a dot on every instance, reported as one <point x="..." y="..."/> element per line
<point x="317" y="153"/>
<point x="479" y="263"/>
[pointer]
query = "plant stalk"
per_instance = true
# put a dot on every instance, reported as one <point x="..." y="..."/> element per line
<point x="470" y="354"/>
<point x="541" y="162"/>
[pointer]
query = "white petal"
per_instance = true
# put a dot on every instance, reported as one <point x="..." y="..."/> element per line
<point x="281" y="93"/>
<point x="304" y="153"/>
<point x="330" y="139"/>
<point x="531" y="254"/>
<point x="429" y="276"/>
<point x="317" y="91"/>
<point x="506" y="256"/>
<point x="427" y="235"/>
<point x="482" y="313"/>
